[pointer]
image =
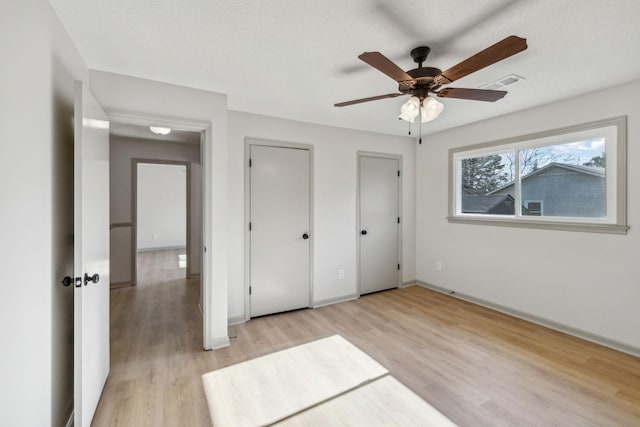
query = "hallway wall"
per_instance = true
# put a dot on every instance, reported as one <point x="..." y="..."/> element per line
<point x="122" y="151"/>
<point x="162" y="206"/>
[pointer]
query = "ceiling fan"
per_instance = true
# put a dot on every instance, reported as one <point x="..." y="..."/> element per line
<point x="423" y="81"/>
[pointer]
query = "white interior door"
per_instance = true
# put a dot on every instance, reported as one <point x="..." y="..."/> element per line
<point x="91" y="255"/>
<point x="379" y="223"/>
<point x="280" y="234"/>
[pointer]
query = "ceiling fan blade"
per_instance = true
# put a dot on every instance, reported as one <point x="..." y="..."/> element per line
<point x="371" y="98"/>
<point x="499" y="51"/>
<point x="473" y="94"/>
<point x="384" y="64"/>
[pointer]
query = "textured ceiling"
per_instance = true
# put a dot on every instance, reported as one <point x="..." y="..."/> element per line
<point x="296" y="58"/>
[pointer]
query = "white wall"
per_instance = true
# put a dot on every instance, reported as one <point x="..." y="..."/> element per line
<point x="36" y="316"/>
<point x="586" y="282"/>
<point x="335" y="177"/>
<point x="162" y="206"/>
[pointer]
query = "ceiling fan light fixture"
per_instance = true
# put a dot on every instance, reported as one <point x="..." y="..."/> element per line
<point x="160" y="130"/>
<point x="431" y="109"/>
<point x="410" y="109"/>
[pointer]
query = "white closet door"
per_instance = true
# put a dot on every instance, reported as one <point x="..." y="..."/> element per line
<point x="280" y="234"/>
<point x="379" y="224"/>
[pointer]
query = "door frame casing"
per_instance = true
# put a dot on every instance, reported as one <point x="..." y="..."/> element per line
<point x="248" y="142"/>
<point x="205" y="128"/>
<point x="398" y="157"/>
<point x="134" y="211"/>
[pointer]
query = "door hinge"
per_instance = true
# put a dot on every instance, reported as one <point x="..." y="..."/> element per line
<point x="398" y="172"/>
<point x="398" y="220"/>
<point x="249" y="226"/>
<point x="250" y="163"/>
<point x="398" y="266"/>
<point x="249" y="290"/>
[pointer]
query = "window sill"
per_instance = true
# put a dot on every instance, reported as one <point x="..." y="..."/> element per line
<point x="544" y="225"/>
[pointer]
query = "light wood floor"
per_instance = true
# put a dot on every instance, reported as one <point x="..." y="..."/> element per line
<point x="478" y="367"/>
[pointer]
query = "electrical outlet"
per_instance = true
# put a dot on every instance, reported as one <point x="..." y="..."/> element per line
<point x="438" y="266"/>
<point x="341" y="274"/>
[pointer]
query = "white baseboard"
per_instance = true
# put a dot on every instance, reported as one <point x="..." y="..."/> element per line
<point x="116" y="285"/>
<point x="162" y="248"/>
<point x="236" y="320"/>
<point x="219" y="343"/>
<point x="408" y="283"/>
<point x="588" y="336"/>
<point x="330" y="301"/>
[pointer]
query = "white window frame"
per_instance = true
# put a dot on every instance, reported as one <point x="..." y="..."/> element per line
<point x="615" y="220"/>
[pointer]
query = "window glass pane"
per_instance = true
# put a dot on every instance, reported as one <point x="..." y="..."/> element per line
<point x="480" y="179"/>
<point x="566" y="180"/>
<point x="532" y="208"/>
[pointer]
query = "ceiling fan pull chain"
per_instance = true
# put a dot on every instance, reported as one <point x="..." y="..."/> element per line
<point x="420" y="125"/>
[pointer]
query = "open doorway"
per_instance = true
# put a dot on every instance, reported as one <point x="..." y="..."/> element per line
<point x="131" y="145"/>
<point x="161" y="221"/>
<point x="156" y="233"/>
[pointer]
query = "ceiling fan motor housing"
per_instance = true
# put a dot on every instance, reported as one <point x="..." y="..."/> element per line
<point x="423" y="81"/>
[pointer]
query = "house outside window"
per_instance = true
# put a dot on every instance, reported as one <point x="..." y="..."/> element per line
<point x="572" y="178"/>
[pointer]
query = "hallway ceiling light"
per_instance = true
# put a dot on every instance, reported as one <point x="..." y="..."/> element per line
<point x="159" y="130"/>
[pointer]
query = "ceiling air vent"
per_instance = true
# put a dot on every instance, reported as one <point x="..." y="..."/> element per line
<point x="502" y="83"/>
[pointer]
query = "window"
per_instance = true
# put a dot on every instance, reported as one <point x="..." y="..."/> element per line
<point x="479" y="177"/>
<point x="532" y="207"/>
<point x="570" y="179"/>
